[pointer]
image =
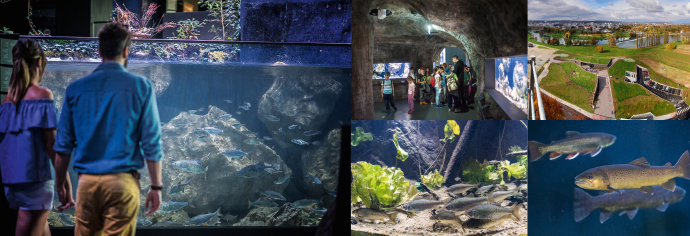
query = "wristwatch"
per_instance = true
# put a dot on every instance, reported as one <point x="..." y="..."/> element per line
<point x="154" y="187"/>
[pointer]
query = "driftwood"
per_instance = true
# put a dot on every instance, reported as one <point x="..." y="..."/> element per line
<point x="467" y="132"/>
<point x="429" y="190"/>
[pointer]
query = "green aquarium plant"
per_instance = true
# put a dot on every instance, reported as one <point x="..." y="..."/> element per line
<point x="433" y="180"/>
<point x="451" y="130"/>
<point x="486" y="173"/>
<point x="402" y="154"/>
<point x="522" y="159"/>
<point x="360" y="136"/>
<point x="379" y="187"/>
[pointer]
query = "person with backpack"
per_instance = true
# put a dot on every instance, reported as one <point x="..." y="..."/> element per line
<point x="451" y="87"/>
<point x="387" y="91"/>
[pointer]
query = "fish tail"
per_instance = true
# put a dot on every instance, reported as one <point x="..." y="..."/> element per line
<point x="684" y="165"/>
<point x="534" y="153"/>
<point x="516" y="211"/>
<point x="582" y="204"/>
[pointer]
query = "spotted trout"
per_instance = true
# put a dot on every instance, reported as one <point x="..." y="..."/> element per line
<point x="629" y="201"/>
<point x="636" y="175"/>
<point x="574" y="144"/>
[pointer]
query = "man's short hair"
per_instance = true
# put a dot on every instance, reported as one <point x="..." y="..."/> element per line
<point x="388" y="73"/>
<point x="112" y="40"/>
<point x="456" y="57"/>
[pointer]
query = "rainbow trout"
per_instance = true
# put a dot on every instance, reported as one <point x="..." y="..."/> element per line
<point x="628" y="200"/>
<point x="636" y="175"/>
<point x="574" y="144"/>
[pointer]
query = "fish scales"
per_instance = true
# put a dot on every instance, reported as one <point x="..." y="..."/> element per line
<point x="631" y="176"/>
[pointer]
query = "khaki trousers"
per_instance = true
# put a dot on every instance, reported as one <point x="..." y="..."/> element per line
<point x="107" y="204"/>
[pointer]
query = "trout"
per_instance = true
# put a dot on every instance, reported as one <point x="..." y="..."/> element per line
<point x="493" y="212"/>
<point x="628" y="200"/>
<point x="636" y="175"/>
<point x="574" y="144"/>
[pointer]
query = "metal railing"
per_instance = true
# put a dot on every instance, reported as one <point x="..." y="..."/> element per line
<point x="534" y="88"/>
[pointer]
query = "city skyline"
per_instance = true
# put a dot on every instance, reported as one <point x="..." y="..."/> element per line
<point x="671" y="11"/>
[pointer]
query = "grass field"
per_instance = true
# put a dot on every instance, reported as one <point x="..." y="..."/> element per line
<point x="577" y="88"/>
<point x="597" y="60"/>
<point x="630" y="99"/>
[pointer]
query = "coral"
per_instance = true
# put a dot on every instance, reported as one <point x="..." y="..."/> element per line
<point x="139" y="24"/>
<point x="433" y="180"/>
<point x="402" y="154"/>
<point x="360" y="136"/>
<point x="217" y="56"/>
<point x="379" y="187"/>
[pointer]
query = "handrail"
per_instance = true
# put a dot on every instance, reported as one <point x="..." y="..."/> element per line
<point x="190" y="41"/>
<point x="542" y="115"/>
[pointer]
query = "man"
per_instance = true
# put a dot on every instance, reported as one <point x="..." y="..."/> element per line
<point x="387" y="92"/>
<point x="110" y="120"/>
<point x="459" y="70"/>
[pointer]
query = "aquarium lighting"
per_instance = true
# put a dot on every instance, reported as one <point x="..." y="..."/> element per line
<point x="428" y="28"/>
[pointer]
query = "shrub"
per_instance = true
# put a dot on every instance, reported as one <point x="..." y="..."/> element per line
<point x="670" y="46"/>
<point x="599" y="48"/>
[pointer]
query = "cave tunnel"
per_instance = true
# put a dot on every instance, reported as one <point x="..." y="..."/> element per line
<point x="417" y="32"/>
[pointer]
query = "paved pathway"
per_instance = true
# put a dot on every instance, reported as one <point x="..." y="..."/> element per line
<point x="604" y="106"/>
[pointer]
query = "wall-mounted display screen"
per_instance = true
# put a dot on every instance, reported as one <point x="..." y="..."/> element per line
<point x="511" y="79"/>
<point x="397" y="70"/>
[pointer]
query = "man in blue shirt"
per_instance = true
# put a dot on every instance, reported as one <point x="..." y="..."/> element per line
<point x="387" y="91"/>
<point x="110" y="124"/>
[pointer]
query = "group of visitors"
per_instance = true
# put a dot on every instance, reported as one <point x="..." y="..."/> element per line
<point x="444" y="85"/>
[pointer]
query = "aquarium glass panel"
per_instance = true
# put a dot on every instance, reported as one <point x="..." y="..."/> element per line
<point x="511" y="79"/>
<point x="397" y="70"/>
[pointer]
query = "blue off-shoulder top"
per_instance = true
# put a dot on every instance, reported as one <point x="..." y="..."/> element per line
<point x="23" y="156"/>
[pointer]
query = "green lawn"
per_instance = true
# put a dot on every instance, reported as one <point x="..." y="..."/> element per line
<point x="590" y="50"/>
<point x="633" y="99"/>
<point x="577" y="89"/>
<point x="660" y="54"/>
<point x="597" y="60"/>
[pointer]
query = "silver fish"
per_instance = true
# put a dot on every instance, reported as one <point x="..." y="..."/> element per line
<point x="212" y="130"/>
<point x="228" y="100"/>
<point x="314" y="179"/>
<point x="300" y="142"/>
<point x="169" y="206"/>
<point x="226" y="116"/>
<point x="192" y="111"/>
<point x="239" y="112"/>
<point x="282" y="179"/>
<point x="234" y="153"/>
<point x="421" y="205"/>
<point x="294" y="127"/>
<point x="304" y="203"/>
<point x="316" y="143"/>
<point x="311" y="132"/>
<point x="493" y="212"/>
<point x="273" y="195"/>
<point x="263" y="203"/>
<point x="253" y="171"/>
<point x="179" y="187"/>
<point x="205" y="218"/>
<point x="271" y="118"/>
<point x="460" y="188"/>
<point x="190" y="166"/>
<point x="267" y="138"/>
<point x="65" y="219"/>
<point x="252" y="141"/>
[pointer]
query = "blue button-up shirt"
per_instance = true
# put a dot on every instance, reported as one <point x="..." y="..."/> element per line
<point x="110" y="120"/>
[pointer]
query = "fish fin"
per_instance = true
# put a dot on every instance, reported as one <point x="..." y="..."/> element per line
<point x="640" y="162"/>
<point x="534" y="153"/>
<point x="582" y="204"/>
<point x="554" y="156"/>
<point x="632" y="213"/>
<point x="570" y="134"/>
<point x="595" y="152"/>
<point x="572" y="156"/>
<point x="197" y="161"/>
<point x="218" y="211"/>
<point x="684" y="165"/>
<point x="663" y="207"/>
<point x="604" y="215"/>
<point x="516" y="210"/>
<point x="647" y="189"/>
<point x="668" y="164"/>
<point x="670" y="185"/>
<point x="190" y="204"/>
<point x="608" y="191"/>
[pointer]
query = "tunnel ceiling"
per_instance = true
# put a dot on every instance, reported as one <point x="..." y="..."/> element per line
<point x="486" y="29"/>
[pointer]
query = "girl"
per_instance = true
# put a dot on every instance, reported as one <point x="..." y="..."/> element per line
<point x="410" y="94"/>
<point x="437" y="85"/>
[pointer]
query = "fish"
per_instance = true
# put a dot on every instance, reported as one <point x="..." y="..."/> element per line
<point x="374" y="215"/>
<point x="300" y="142"/>
<point x="460" y="188"/>
<point x="447" y="219"/>
<point x="304" y="203"/>
<point x="247" y="104"/>
<point x="190" y="166"/>
<point x="239" y="112"/>
<point x="252" y="141"/>
<point x="272" y="170"/>
<point x="253" y="171"/>
<point x="493" y="212"/>
<point x="179" y="187"/>
<point x="246" y="108"/>
<point x="320" y="212"/>
<point x="487" y="188"/>
<point x="294" y="127"/>
<point x="629" y="201"/>
<point x="65" y="219"/>
<point x="167" y="224"/>
<point x="311" y="132"/>
<point x="142" y="221"/>
<point x="333" y="193"/>
<point x="515" y="153"/>
<point x="573" y="145"/>
<point x="226" y="116"/>
<point x="228" y="100"/>
<point x="273" y="195"/>
<point x="465" y="203"/>
<point x="282" y="179"/>
<point x="170" y="206"/>
<point x="280" y="130"/>
<point x="479" y="224"/>
<point x="501" y="195"/>
<point x="271" y="118"/>
<point x="234" y="153"/>
<point x="200" y="109"/>
<point x="421" y="205"/>
<point x="201" y="138"/>
<point x="314" y="179"/>
<point x="267" y="138"/>
<point x="636" y="175"/>
<point x="202" y="219"/>
<point x="236" y="125"/>
<point x="262" y="203"/>
<point x="212" y="130"/>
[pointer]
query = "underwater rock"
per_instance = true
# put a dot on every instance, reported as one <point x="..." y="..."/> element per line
<point x="177" y="216"/>
<point x="220" y="186"/>
<point x="322" y="161"/>
<point x="289" y="216"/>
<point x="304" y="101"/>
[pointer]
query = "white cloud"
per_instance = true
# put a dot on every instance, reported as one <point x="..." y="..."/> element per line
<point x="610" y="4"/>
<point x="649" y="5"/>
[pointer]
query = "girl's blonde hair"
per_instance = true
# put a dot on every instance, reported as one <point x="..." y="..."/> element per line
<point x="26" y="54"/>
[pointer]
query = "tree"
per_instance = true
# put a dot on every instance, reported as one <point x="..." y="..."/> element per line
<point x="670" y="46"/>
<point x="568" y="42"/>
<point x="599" y="48"/>
<point x="612" y="40"/>
<point x="633" y="35"/>
<point x="227" y="14"/>
<point x="593" y="40"/>
<point x="566" y="35"/>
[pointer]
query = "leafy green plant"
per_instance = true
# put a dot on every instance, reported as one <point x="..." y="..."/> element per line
<point x="433" y="179"/>
<point x="451" y="130"/>
<point x="402" y="154"/>
<point x="474" y="172"/>
<point x="522" y="159"/>
<point x="360" y="136"/>
<point x="6" y="30"/>
<point x="187" y="29"/>
<point x="227" y="14"/>
<point x="378" y="187"/>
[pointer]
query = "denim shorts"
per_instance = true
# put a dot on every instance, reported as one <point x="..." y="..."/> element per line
<point x="31" y="196"/>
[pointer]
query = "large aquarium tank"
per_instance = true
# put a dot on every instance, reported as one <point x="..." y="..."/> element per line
<point x="567" y="201"/>
<point x="431" y="177"/>
<point x="226" y="107"/>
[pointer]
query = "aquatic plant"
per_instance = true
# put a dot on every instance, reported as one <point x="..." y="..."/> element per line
<point x="217" y="56"/>
<point x="227" y="14"/>
<point x="433" y="179"/>
<point x="451" y="130"/>
<point x="402" y="154"/>
<point x="522" y="159"/>
<point x="187" y="29"/>
<point x="360" y="136"/>
<point x="474" y="172"/>
<point x="6" y="30"/>
<point x="379" y="187"/>
<point x="139" y="24"/>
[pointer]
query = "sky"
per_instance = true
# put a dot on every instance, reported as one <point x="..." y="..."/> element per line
<point x="676" y="11"/>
